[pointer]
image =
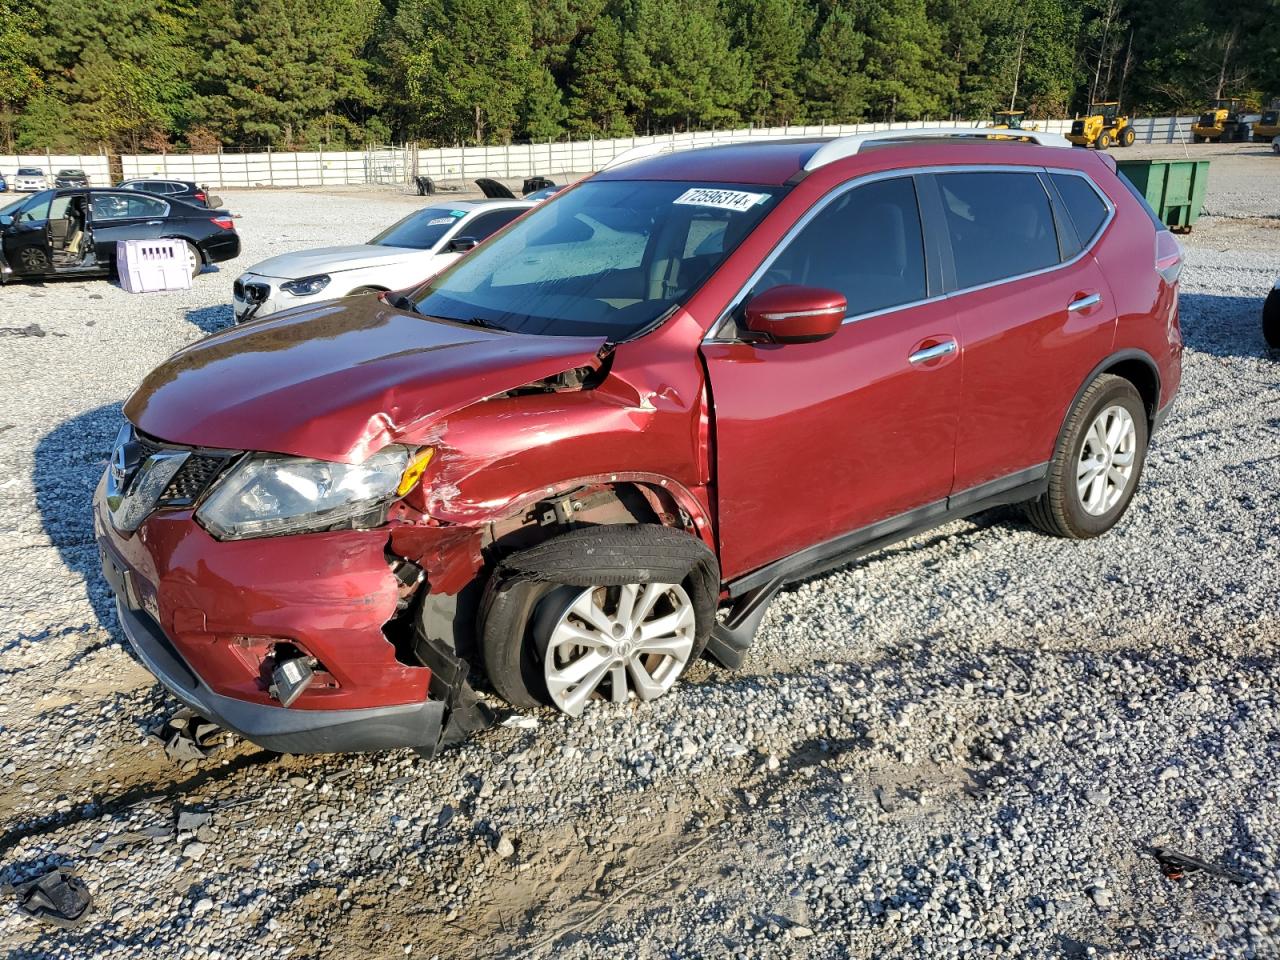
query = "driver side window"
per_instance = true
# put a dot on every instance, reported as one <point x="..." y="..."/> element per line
<point x="866" y="244"/>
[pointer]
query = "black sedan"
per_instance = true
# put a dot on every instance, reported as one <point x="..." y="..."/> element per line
<point x="70" y="178"/>
<point x="183" y="190"/>
<point x="74" y="232"/>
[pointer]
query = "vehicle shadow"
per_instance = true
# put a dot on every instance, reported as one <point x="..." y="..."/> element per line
<point x="69" y="461"/>
<point x="1223" y="326"/>
<point x="211" y="319"/>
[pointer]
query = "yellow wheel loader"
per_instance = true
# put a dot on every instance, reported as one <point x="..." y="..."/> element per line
<point x="1268" y="126"/>
<point x="1221" y="122"/>
<point x="1102" y="127"/>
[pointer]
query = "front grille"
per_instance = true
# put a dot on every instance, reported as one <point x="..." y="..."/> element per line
<point x="1208" y="120"/>
<point x="237" y="289"/>
<point x="1077" y="128"/>
<point x="193" y="479"/>
<point x="256" y="292"/>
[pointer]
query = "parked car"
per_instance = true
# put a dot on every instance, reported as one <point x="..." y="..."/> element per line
<point x="594" y="448"/>
<point x="183" y="190"/>
<point x="4" y="184"/>
<point x="29" y="180"/>
<point x="406" y="253"/>
<point x="70" y="178"/>
<point x="1271" y="316"/>
<point x="74" y="232"/>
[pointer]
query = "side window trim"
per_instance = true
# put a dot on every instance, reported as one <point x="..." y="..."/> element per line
<point x="1068" y="237"/>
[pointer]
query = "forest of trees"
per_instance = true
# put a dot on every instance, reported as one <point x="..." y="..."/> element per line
<point x="89" y="75"/>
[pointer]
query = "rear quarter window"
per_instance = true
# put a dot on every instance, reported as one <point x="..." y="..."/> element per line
<point x="1087" y="210"/>
<point x="1001" y="225"/>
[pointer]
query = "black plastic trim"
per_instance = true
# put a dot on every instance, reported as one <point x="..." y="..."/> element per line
<point x="1014" y="488"/>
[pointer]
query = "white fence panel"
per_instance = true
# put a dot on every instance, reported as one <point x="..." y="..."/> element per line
<point x="557" y="159"/>
<point x="95" y="166"/>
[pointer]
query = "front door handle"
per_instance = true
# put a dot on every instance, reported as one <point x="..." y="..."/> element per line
<point x="1085" y="302"/>
<point x="943" y="349"/>
<point x="154" y="223"/>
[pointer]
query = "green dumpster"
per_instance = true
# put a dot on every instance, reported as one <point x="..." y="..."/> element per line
<point x="1174" y="188"/>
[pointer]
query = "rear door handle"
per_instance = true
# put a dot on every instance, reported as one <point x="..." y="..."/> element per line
<point x="943" y="349"/>
<point x="1084" y="303"/>
<point x="154" y="223"/>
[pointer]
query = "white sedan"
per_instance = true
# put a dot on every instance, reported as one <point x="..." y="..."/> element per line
<point x="411" y="251"/>
<point x="30" y="180"/>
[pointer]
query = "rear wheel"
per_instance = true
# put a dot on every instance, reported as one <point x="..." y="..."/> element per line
<point x="1196" y="138"/>
<point x="1104" y="140"/>
<point x="1271" y="319"/>
<point x="1097" y="463"/>
<point x="194" y="260"/>
<point x="1127" y="136"/>
<point x="603" y="612"/>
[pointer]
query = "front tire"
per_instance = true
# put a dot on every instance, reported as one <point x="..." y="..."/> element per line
<point x="1271" y="319"/>
<point x="614" y="611"/>
<point x="1097" y="463"/>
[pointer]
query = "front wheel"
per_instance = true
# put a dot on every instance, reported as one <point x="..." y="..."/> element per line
<point x="1096" y="464"/>
<point x="609" y="612"/>
<point x="1271" y="319"/>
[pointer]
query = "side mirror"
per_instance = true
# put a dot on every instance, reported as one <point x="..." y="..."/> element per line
<point x="795" y="314"/>
<point x="462" y="244"/>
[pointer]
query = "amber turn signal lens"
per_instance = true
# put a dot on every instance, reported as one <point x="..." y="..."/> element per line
<point x="413" y="473"/>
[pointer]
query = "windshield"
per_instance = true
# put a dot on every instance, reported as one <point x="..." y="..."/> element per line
<point x="71" y="173"/>
<point x="29" y="172"/>
<point x="421" y="230"/>
<point x="608" y="258"/>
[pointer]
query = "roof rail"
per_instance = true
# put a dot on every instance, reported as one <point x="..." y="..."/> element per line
<point x="842" y="147"/>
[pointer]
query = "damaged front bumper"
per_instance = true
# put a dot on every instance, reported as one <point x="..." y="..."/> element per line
<point x="207" y="617"/>
<point x="281" y="729"/>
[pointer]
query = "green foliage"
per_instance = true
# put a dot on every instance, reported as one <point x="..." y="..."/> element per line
<point x="123" y="74"/>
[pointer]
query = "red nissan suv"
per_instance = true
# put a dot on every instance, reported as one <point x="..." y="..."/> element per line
<point x="594" y="448"/>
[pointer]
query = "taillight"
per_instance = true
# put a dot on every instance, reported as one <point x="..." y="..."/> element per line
<point x="226" y="223"/>
<point x="200" y="197"/>
<point x="1168" y="256"/>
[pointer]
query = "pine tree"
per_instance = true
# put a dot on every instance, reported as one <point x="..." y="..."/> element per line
<point x="773" y="33"/>
<point x="831" y="76"/>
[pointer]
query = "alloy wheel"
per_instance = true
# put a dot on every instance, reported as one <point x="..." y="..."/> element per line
<point x="1107" y="457"/>
<point x="624" y="640"/>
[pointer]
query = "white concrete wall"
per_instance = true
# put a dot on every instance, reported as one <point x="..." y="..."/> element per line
<point x="393" y="164"/>
<point x="94" y="165"/>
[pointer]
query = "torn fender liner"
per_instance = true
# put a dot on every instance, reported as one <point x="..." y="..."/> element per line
<point x="607" y="556"/>
<point x="59" y="897"/>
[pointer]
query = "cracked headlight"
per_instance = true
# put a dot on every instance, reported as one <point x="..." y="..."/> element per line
<point x="306" y="286"/>
<point x="269" y="494"/>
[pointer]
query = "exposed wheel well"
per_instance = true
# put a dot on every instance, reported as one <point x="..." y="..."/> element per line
<point x="1144" y="378"/>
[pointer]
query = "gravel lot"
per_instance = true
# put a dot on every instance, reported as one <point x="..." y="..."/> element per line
<point x="962" y="746"/>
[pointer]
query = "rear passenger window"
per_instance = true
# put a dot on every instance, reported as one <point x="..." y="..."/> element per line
<point x="866" y="244"/>
<point x="1001" y="225"/>
<point x="1086" y="208"/>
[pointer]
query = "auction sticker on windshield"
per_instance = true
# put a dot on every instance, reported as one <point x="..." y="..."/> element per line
<point x="721" y="199"/>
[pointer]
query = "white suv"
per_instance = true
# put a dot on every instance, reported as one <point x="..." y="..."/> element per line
<point x="411" y="251"/>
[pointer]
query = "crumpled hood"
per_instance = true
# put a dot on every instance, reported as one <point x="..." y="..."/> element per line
<point x="306" y="263"/>
<point x="339" y="380"/>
